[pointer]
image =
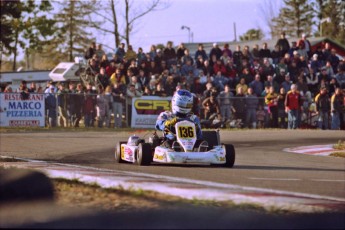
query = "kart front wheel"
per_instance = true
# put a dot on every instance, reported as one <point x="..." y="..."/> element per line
<point x="144" y="154"/>
<point x="118" y="152"/>
<point x="229" y="155"/>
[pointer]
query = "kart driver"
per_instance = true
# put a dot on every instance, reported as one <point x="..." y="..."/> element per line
<point x="181" y="105"/>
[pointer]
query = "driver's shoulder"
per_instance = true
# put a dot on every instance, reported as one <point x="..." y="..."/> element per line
<point x="192" y="117"/>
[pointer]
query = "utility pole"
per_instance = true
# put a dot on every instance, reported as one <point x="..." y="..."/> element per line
<point x="187" y="28"/>
<point x="235" y="32"/>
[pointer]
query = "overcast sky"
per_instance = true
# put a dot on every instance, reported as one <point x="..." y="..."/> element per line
<point x="208" y="20"/>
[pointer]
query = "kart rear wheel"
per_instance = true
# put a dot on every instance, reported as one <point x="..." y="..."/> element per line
<point x="118" y="152"/>
<point x="229" y="155"/>
<point x="144" y="154"/>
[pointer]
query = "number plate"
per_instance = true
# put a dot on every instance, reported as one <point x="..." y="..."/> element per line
<point x="186" y="132"/>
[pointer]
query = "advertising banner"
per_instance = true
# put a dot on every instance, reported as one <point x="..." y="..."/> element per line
<point x="22" y="113"/>
<point x="146" y="109"/>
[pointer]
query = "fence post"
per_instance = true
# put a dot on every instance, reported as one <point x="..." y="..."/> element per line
<point x="126" y="112"/>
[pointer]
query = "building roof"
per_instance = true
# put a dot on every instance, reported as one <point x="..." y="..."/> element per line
<point x="314" y="41"/>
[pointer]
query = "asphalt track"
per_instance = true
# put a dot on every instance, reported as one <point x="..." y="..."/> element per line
<point x="260" y="162"/>
<point x="260" y="159"/>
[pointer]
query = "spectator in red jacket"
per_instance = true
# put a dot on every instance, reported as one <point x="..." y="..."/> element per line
<point x="293" y="106"/>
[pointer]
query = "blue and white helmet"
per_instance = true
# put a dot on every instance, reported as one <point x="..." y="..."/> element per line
<point x="182" y="102"/>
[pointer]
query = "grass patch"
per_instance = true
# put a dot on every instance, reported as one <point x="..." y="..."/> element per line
<point x="340" y="145"/>
<point x="338" y="154"/>
<point x="9" y="159"/>
<point x="76" y="193"/>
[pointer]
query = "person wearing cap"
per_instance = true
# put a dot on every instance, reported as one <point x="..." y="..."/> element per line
<point x="216" y="51"/>
<point x="293" y="107"/>
<point x="158" y="58"/>
<point x="323" y="74"/>
<point x="315" y="64"/>
<point x="283" y="44"/>
<point x="323" y="106"/>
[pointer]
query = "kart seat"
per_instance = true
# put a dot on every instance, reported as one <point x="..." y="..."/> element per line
<point x="203" y="147"/>
<point x="176" y="146"/>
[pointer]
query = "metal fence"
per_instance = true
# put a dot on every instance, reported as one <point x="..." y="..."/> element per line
<point x="75" y="110"/>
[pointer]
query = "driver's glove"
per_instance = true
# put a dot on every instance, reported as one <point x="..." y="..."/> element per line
<point x="171" y="122"/>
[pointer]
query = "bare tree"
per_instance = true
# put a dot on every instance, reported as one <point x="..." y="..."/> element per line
<point x="132" y="11"/>
<point x="269" y="10"/>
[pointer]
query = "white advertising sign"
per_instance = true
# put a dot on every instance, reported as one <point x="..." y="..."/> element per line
<point x="22" y="113"/>
<point x="146" y="109"/>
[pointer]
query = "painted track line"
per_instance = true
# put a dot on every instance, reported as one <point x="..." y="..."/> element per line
<point x="327" y="180"/>
<point x="277" y="179"/>
<point x="317" y="150"/>
<point x="187" y="188"/>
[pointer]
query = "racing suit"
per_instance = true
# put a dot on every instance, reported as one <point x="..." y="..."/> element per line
<point x="166" y="122"/>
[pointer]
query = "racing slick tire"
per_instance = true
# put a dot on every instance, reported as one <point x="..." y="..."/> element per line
<point x="144" y="154"/>
<point x="118" y="152"/>
<point x="229" y="155"/>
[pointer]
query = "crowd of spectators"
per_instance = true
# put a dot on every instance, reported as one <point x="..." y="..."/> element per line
<point x="250" y="86"/>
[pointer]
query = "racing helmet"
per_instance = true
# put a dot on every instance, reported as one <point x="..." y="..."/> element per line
<point x="181" y="102"/>
<point x="133" y="140"/>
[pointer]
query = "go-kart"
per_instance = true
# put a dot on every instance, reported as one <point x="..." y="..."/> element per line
<point x="184" y="150"/>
